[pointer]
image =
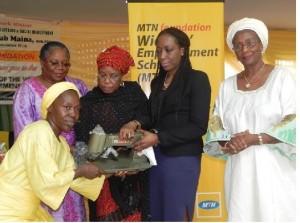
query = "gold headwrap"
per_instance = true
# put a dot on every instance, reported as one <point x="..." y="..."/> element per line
<point x="248" y="23"/>
<point x="52" y="93"/>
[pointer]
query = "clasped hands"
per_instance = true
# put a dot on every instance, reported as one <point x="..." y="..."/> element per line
<point x="237" y="143"/>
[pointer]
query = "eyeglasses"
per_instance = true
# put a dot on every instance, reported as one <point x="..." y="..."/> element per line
<point x="112" y="77"/>
<point x="249" y="44"/>
<point x="57" y="64"/>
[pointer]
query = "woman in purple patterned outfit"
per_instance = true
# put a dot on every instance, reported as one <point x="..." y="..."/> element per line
<point x="54" y="59"/>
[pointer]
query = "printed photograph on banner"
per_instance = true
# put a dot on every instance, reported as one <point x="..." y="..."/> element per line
<point x="208" y="205"/>
<point x="20" y="43"/>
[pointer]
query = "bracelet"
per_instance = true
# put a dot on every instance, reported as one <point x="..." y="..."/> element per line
<point x="260" y="139"/>
<point x="153" y="131"/>
<point x="138" y="125"/>
<point x="225" y="146"/>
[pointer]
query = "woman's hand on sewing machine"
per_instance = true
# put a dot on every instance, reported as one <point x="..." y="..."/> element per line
<point x="149" y="139"/>
<point x="127" y="130"/>
<point x="89" y="171"/>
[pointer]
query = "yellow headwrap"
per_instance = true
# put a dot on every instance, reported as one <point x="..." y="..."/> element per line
<point x="248" y="23"/>
<point x="52" y="93"/>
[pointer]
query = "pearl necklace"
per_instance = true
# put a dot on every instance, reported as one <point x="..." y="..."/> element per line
<point x="248" y="83"/>
<point x="165" y="84"/>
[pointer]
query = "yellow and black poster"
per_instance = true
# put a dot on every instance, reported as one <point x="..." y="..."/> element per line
<point x="203" y="22"/>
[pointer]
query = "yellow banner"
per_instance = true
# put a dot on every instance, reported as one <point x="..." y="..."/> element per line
<point x="203" y="22"/>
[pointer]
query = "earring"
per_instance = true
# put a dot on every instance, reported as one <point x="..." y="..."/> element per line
<point x="122" y="84"/>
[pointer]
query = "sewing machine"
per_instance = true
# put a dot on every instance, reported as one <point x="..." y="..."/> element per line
<point x="101" y="150"/>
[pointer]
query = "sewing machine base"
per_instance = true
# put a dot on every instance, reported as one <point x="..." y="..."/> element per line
<point x="125" y="162"/>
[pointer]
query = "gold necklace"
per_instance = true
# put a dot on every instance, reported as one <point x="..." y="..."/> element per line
<point x="248" y="83"/>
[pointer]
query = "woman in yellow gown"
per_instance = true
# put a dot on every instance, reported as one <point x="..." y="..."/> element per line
<point x="40" y="168"/>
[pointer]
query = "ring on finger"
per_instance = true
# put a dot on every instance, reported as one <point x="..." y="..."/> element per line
<point x="129" y="135"/>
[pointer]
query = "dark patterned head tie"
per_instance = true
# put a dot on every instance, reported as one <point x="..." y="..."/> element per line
<point x="116" y="58"/>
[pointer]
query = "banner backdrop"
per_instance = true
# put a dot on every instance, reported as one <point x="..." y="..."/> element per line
<point x="20" y="43"/>
<point x="204" y="24"/>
